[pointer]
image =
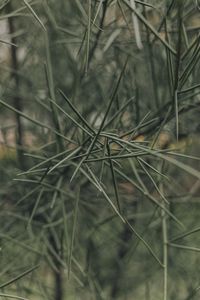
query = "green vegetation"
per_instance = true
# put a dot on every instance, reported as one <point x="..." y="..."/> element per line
<point x="99" y="153"/>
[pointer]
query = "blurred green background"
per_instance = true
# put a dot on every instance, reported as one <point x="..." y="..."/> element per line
<point x="99" y="146"/>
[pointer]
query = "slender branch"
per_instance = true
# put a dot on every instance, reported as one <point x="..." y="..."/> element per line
<point x="93" y="49"/>
<point x="17" y="101"/>
<point x="165" y="241"/>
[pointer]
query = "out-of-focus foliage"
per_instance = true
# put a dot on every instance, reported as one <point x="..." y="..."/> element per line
<point x="99" y="119"/>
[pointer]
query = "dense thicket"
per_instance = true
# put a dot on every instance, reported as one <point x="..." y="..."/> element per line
<point x="99" y="119"/>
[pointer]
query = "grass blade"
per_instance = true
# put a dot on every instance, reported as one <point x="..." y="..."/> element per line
<point x="73" y="232"/>
<point x="34" y="14"/>
<point x="19" y="277"/>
